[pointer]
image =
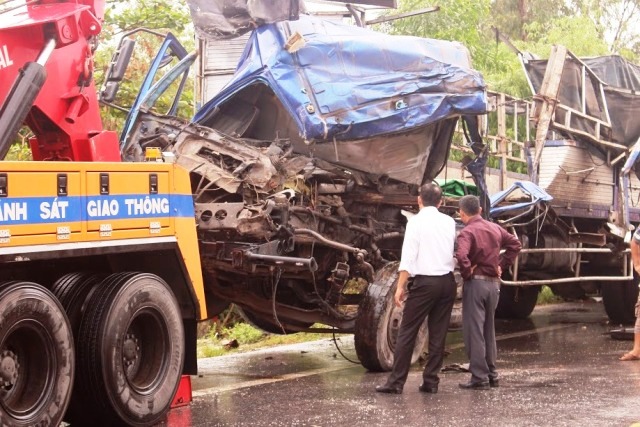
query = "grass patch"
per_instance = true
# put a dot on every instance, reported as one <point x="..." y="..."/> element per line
<point x="249" y="338"/>
<point x="244" y="334"/>
<point x="206" y="350"/>
<point x="546" y="296"/>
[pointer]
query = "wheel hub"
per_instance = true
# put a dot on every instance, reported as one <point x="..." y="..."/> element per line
<point x="394" y="326"/>
<point x="9" y="367"/>
<point x="130" y="350"/>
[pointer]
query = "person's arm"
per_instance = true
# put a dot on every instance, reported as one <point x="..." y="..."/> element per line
<point x="635" y="254"/>
<point x="408" y="258"/>
<point x="401" y="290"/>
<point x="462" y="253"/>
<point x="512" y="246"/>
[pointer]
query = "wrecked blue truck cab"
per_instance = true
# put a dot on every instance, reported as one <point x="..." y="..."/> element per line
<point x="303" y="165"/>
<point x="344" y="94"/>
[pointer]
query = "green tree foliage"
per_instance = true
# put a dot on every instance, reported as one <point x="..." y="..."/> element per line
<point x="586" y="27"/>
<point x="512" y="17"/>
<point x="615" y="21"/>
<point x="126" y="15"/>
<point x="20" y="149"/>
<point x="575" y="33"/>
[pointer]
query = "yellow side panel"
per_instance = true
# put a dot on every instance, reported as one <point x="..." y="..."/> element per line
<point x="32" y="213"/>
<point x="122" y="201"/>
<point x="32" y="205"/>
<point x="188" y="242"/>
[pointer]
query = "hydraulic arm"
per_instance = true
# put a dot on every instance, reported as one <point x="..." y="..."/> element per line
<point x="46" y="64"/>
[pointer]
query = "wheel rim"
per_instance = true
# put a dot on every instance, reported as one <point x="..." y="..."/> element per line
<point x="393" y="326"/>
<point x="143" y="351"/>
<point x="26" y="361"/>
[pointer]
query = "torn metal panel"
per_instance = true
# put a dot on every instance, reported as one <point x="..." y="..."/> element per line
<point x="225" y="162"/>
<point x="241" y="163"/>
<point x="535" y="193"/>
<point x="222" y="19"/>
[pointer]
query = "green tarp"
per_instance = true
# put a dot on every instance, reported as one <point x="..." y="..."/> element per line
<point x="456" y="187"/>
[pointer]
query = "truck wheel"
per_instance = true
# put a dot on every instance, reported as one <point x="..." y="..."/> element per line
<point x="268" y="324"/>
<point x="378" y="322"/>
<point x="72" y="290"/>
<point x="132" y="352"/>
<point x="36" y="356"/>
<point x="619" y="299"/>
<point x="517" y="302"/>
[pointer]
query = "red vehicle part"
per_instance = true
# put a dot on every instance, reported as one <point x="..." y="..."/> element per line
<point x="65" y="115"/>
<point x="183" y="395"/>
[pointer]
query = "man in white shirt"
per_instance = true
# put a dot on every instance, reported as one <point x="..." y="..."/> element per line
<point x="427" y="256"/>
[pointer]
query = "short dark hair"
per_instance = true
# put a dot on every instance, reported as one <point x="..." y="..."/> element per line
<point x="469" y="204"/>
<point x="430" y="194"/>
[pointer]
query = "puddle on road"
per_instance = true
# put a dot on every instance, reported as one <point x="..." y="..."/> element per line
<point x="532" y="384"/>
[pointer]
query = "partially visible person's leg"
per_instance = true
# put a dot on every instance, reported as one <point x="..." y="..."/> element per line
<point x="419" y="303"/>
<point x="473" y="320"/>
<point x="438" y="322"/>
<point x="634" y="354"/>
<point x="490" y="330"/>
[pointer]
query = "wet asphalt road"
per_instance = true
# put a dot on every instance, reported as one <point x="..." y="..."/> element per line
<point x="558" y="368"/>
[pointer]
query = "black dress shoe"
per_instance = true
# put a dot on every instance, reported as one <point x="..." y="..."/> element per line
<point x="388" y="389"/>
<point x="475" y="386"/>
<point x="494" y="382"/>
<point x="428" y="388"/>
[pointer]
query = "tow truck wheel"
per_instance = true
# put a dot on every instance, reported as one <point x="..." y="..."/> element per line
<point x="517" y="302"/>
<point x="132" y="353"/>
<point x="36" y="356"/>
<point x="72" y="291"/>
<point x="378" y="323"/>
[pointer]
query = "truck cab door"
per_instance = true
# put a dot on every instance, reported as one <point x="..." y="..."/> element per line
<point x="170" y="51"/>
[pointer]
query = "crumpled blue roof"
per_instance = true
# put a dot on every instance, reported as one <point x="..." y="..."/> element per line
<point x="348" y="82"/>
<point x="536" y="193"/>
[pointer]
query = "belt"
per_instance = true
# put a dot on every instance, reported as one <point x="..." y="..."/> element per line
<point x="439" y="275"/>
<point x="486" y="278"/>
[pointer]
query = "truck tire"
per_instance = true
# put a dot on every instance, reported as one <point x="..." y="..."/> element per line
<point x="36" y="356"/>
<point x="517" y="302"/>
<point x="619" y="299"/>
<point x="72" y="290"/>
<point x="378" y="322"/>
<point x="132" y="352"/>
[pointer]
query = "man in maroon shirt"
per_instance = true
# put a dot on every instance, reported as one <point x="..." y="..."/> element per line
<point x="478" y="254"/>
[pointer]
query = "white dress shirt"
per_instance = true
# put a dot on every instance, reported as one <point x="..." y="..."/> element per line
<point x="428" y="243"/>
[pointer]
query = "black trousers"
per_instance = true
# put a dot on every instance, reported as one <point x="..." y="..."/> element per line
<point x="431" y="296"/>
